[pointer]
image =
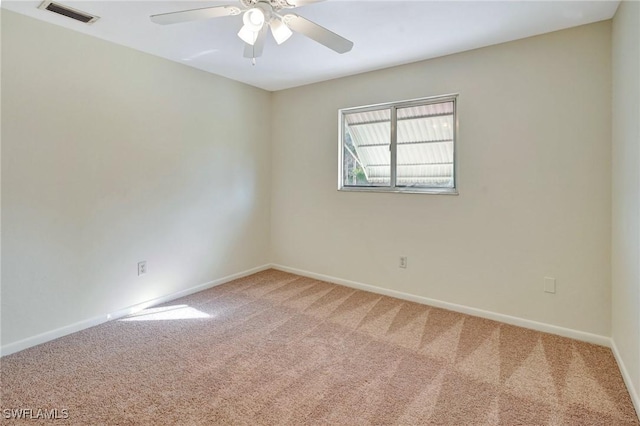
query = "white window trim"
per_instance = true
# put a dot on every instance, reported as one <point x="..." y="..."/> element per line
<point x="394" y="106"/>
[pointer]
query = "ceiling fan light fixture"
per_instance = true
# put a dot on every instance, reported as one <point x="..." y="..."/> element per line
<point x="280" y="31"/>
<point x="247" y="35"/>
<point x="254" y="19"/>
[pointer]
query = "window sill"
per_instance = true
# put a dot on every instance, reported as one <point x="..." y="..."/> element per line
<point x="433" y="191"/>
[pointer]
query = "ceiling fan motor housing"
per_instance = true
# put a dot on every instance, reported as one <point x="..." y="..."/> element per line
<point x="274" y="4"/>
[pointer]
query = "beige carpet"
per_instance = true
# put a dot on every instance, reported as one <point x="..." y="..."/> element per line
<point x="275" y="348"/>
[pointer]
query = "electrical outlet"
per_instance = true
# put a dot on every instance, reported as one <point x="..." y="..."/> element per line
<point x="142" y="267"/>
<point x="403" y="262"/>
<point x="549" y="285"/>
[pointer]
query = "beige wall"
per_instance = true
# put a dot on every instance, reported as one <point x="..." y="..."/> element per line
<point x="111" y="156"/>
<point x="534" y="179"/>
<point x="626" y="190"/>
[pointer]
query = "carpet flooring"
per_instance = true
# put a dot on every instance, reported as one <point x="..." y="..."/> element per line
<point x="276" y="348"/>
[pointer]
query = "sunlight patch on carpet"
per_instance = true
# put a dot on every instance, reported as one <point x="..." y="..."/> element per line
<point x="175" y="312"/>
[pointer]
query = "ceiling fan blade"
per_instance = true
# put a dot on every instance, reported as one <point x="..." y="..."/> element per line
<point x="195" y="14"/>
<point x="298" y="3"/>
<point x="255" y="51"/>
<point x="320" y="34"/>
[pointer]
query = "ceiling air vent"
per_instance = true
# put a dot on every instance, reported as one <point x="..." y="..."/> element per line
<point x="68" y="12"/>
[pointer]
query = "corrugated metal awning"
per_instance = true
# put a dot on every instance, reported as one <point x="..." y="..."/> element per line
<point x="424" y="138"/>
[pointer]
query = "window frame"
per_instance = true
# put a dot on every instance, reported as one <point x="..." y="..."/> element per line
<point x="393" y="143"/>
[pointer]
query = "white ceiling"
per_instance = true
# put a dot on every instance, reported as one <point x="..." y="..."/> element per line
<point x="385" y="33"/>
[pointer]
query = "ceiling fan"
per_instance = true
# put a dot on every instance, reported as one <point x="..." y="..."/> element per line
<point x="259" y="15"/>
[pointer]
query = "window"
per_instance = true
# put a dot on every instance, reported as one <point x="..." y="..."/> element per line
<point x="404" y="146"/>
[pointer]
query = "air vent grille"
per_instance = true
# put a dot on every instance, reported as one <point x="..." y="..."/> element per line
<point x="68" y="12"/>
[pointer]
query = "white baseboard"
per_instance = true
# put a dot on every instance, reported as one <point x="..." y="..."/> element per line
<point x="81" y="325"/>
<point x="50" y="335"/>
<point x="633" y="393"/>
<point x="521" y="322"/>
<point x="91" y="322"/>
